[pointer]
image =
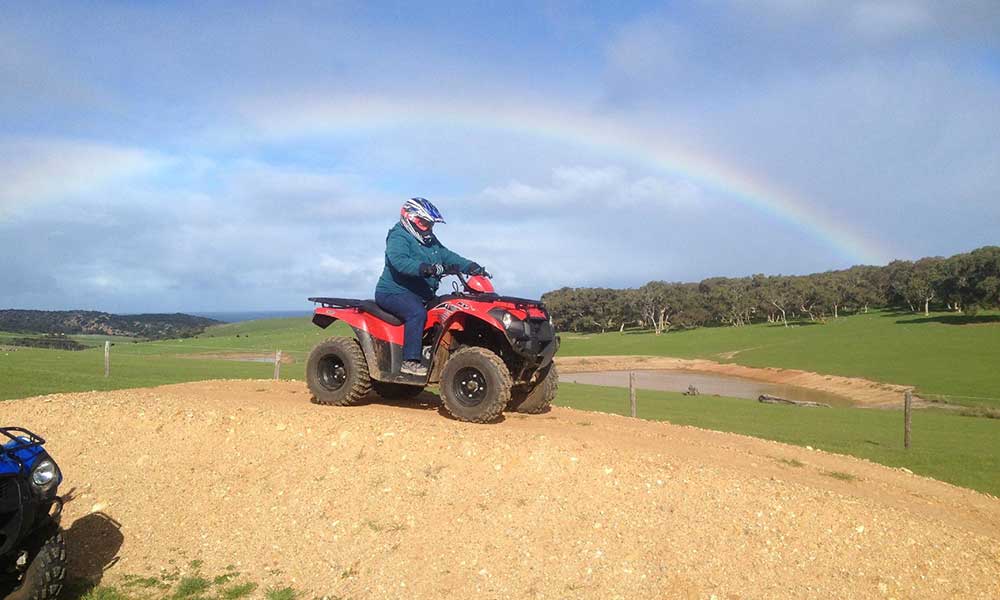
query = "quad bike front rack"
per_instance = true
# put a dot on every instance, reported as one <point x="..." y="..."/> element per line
<point x="18" y="442"/>
<point x="26" y="440"/>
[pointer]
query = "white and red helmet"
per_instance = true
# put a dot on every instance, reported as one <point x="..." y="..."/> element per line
<point x="418" y="216"/>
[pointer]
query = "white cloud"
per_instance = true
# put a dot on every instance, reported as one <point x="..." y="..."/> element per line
<point x="350" y="264"/>
<point x="40" y="169"/>
<point x="602" y="188"/>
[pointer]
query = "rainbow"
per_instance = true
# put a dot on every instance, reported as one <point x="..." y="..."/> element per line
<point x="297" y="117"/>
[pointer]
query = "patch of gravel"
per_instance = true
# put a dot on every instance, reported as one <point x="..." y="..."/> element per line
<point x="393" y="501"/>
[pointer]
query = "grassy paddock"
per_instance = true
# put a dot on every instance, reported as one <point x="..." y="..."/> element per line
<point x="942" y="354"/>
<point x="33" y="371"/>
<point x="960" y="450"/>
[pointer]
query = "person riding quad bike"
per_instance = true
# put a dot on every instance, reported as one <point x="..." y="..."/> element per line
<point x="415" y="262"/>
<point x="485" y="351"/>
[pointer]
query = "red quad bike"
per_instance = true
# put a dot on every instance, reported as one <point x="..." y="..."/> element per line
<point x="486" y="352"/>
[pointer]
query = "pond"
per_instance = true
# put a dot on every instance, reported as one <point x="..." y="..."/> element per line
<point x="668" y="380"/>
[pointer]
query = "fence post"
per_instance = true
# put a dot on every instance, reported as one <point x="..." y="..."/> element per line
<point x="277" y="365"/>
<point x="907" y="410"/>
<point x="631" y="392"/>
<point x="107" y="358"/>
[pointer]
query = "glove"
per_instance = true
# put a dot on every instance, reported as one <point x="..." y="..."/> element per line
<point x="452" y="269"/>
<point x="475" y="268"/>
<point x="429" y="270"/>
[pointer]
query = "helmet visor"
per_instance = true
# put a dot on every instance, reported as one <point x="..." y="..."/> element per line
<point x="422" y="224"/>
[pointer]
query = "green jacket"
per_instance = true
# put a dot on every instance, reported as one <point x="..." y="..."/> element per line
<point x="403" y="256"/>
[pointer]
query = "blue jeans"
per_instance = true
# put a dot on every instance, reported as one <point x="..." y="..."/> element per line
<point x="410" y="308"/>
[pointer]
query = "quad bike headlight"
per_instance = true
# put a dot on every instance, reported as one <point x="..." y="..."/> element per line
<point x="45" y="473"/>
<point x="513" y="325"/>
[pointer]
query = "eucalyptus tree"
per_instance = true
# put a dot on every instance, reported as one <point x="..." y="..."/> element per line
<point x="962" y="282"/>
<point x="777" y="292"/>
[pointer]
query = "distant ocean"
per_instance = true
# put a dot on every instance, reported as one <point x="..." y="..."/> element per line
<point x="236" y="317"/>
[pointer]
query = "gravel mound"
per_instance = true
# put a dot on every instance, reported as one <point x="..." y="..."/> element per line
<point x="398" y="501"/>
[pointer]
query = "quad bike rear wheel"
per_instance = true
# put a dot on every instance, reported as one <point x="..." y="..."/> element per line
<point x="43" y="578"/>
<point x="539" y="398"/>
<point x="396" y="391"/>
<point x="475" y="385"/>
<point x="337" y="373"/>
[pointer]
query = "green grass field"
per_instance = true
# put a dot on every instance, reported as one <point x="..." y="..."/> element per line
<point x="964" y="451"/>
<point x="942" y="354"/>
<point x="31" y="371"/>
<point x="935" y="354"/>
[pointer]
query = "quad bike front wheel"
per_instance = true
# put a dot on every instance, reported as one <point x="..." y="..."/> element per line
<point x="337" y="373"/>
<point x="396" y="391"/>
<point x="46" y="568"/>
<point x="475" y="385"/>
<point x="539" y="398"/>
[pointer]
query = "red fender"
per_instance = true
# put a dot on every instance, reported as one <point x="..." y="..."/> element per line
<point x="370" y="324"/>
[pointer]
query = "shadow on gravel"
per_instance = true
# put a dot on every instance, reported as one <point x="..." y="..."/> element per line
<point x="92" y="545"/>
<point x="444" y="413"/>
<point x="423" y="401"/>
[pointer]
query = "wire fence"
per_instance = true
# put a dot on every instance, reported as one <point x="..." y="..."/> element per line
<point x="236" y="354"/>
<point x="132" y="363"/>
<point x="152" y="351"/>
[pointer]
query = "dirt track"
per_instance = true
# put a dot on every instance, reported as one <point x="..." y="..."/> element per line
<point x="390" y="501"/>
<point x="864" y="392"/>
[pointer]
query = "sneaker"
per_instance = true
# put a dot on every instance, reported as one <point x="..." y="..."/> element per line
<point x="413" y="367"/>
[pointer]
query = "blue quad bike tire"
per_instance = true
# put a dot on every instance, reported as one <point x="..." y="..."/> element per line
<point x="46" y="570"/>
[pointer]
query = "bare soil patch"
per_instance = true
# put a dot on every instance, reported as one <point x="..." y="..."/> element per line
<point x="398" y="501"/>
<point x="864" y="392"/>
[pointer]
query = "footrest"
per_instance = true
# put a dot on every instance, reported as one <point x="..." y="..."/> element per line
<point x="408" y="379"/>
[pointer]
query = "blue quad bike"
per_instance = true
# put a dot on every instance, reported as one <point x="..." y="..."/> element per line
<point x="32" y="549"/>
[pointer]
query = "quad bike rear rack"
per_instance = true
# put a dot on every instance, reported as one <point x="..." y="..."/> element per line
<point x="337" y="302"/>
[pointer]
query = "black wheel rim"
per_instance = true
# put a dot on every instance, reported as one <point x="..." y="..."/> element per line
<point x="470" y="386"/>
<point x="332" y="372"/>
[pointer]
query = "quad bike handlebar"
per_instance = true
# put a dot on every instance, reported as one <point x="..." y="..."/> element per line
<point x="474" y="284"/>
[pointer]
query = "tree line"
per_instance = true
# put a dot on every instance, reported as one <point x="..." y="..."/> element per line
<point x="961" y="283"/>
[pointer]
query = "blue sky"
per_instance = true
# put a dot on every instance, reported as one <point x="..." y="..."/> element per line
<point x="161" y="156"/>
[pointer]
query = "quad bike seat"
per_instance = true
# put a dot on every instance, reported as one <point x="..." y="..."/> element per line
<point x="368" y="306"/>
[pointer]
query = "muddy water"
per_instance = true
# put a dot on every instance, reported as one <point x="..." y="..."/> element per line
<point x="707" y="384"/>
